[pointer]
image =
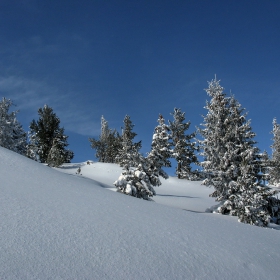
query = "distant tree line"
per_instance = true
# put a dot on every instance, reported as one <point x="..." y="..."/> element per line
<point x="232" y="163"/>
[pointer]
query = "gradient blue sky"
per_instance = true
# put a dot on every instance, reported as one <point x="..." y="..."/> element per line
<point x="91" y="58"/>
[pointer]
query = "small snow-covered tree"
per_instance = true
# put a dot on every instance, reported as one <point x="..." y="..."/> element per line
<point x="46" y="135"/>
<point x="274" y="172"/>
<point x="137" y="181"/>
<point x="142" y="174"/>
<point x="12" y="135"/>
<point x="183" y="148"/>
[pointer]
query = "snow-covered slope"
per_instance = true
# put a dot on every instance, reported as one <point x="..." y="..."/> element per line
<point x="183" y="194"/>
<point x="61" y="226"/>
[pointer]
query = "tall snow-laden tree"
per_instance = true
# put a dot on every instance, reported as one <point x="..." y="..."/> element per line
<point x="233" y="163"/>
<point x="47" y="139"/>
<point x="107" y="145"/>
<point x="12" y="135"/>
<point x="128" y="154"/>
<point x="183" y="149"/>
<point x="160" y="153"/>
<point x="215" y="139"/>
<point x="274" y="172"/>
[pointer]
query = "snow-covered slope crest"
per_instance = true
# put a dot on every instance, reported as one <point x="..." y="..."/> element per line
<point x="60" y="226"/>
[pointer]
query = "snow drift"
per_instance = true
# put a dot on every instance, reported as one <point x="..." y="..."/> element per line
<point x="60" y="226"/>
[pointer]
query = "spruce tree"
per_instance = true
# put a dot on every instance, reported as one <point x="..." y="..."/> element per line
<point x="275" y="160"/>
<point x="107" y="145"/>
<point x="160" y="152"/>
<point x="234" y="164"/>
<point x="12" y="135"/>
<point x="128" y="152"/>
<point x="113" y="145"/>
<point x="47" y="139"/>
<point x="142" y="174"/>
<point x="183" y="149"/>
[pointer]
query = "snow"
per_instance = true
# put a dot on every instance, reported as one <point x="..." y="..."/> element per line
<point x="60" y="225"/>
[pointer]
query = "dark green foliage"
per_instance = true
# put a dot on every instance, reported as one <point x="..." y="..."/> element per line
<point x="128" y="151"/>
<point x="47" y="139"/>
<point x="184" y="149"/>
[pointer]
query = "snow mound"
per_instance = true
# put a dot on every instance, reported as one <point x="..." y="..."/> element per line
<point x="64" y="226"/>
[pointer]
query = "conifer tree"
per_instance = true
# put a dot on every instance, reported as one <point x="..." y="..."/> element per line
<point x="128" y="153"/>
<point x="47" y="139"/>
<point x="160" y="153"/>
<point x="275" y="160"/>
<point x="183" y="149"/>
<point x="108" y="143"/>
<point x="113" y="145"/>
<point x="12" y="135"/>
<point x="233" y="163"/>
<point x="140" y="180"/>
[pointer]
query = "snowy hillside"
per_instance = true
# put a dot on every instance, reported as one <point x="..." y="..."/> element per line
<point x="66" y="226"/>
<point x="173" y="192"/>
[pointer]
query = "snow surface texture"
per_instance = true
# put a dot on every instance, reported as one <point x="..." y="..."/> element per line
<point x="66" y="226"/>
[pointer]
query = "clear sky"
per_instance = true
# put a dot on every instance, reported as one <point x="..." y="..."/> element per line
<point x="91" y="58"/>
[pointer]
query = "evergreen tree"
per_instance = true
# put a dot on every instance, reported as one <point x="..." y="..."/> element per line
<point x="274" y="172"/>
<point x="137" y="181"/>
<point x="108" y="144"/>
<point x="142" y="174"/>
<point x="12" y="135"/>
<point x="215" y="122"/>
<point x="160" y="153"/>
<point x="113" y="145"/>
<point x="47" y="139"/>
<point x="128" y="153"/>
<point x="184" y="149"/>
<point x="234" y="165"/>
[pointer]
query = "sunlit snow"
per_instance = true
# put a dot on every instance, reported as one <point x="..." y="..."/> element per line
<point x="56" y="224"/>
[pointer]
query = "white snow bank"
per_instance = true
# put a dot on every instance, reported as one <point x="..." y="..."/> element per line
<point x="60" y="226"/>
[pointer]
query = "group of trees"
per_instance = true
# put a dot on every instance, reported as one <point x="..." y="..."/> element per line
<point x="232" y="163"/>
<point x="46" y="141"/>
<point x="142" y="173"/>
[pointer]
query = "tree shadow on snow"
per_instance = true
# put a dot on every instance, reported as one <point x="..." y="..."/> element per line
<point x="172" y="195"/>
<point x="194" y="211"/>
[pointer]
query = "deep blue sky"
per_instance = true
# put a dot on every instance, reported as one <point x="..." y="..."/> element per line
<point x="91" y="58"/>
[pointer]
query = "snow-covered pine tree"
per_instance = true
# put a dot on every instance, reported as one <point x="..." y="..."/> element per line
<point x="128" y="154"/>
<point x="160" y="153"/>
<point x="234" y="165"/>
<point x="249" y="199"/>
<point x="46" y="133"/>
<point x="139" y="181"/>
<point x="12" y="135"/>
<point x="183" y="149"/>
<point x="274" y="172"/>
<point x="216" y="140"/>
